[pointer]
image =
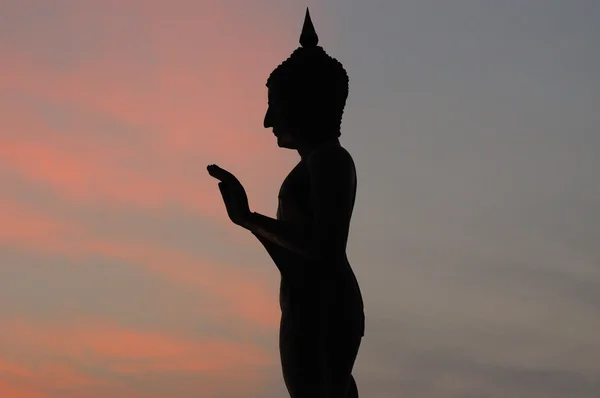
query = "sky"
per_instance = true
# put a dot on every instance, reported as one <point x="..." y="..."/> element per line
<point x="474" y="128"/>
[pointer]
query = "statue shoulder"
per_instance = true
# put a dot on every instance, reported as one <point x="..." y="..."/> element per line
<point x="333" y="164"/>
<point x="331" y="155"/>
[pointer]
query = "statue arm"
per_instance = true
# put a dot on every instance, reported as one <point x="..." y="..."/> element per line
<point x="326" y="235"/>
<point x="290" y="235"/>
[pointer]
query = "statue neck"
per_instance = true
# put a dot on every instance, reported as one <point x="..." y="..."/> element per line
<point x="306" y="149"/>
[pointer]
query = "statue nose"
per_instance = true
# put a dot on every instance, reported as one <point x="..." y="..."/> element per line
<point x="267" y="121"/>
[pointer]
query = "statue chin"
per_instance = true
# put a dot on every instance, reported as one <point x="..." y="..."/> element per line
<point x="282" y="142"/>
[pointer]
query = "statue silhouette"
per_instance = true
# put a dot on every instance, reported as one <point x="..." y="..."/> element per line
<point x="322" y="322"/>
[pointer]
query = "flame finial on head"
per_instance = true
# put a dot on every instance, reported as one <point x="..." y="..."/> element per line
<point x="311" y="85"/>
<point x="308" y="37"/>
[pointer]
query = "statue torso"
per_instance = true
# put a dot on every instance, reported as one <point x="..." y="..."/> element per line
<point x="302" y="285"/>
<point x="294" y="196"/>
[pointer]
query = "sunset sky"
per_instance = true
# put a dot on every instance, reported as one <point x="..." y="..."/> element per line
<point x="474" y="126"/>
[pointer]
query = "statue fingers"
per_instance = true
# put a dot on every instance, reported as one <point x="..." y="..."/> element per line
<point x="220" y="174"/>
<point x="216" y="172"/>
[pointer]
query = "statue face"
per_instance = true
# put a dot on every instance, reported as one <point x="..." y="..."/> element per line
<point x="276" y="119"/>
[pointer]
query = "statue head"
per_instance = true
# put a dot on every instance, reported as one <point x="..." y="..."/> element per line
<point x="307" y="94"/>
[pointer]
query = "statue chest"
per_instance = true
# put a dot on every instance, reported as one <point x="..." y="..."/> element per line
<point x="294" y="196"/>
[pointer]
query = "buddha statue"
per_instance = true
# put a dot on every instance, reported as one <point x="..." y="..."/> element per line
<point x="322" y="312"/>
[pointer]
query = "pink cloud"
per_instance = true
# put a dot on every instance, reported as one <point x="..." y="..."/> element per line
<point x="54" y="375"/>
<point x="203" y="82"/>
<point x="92" y="176"/>
<point x="242" y="294"/>
<point x="57" y="355"/>
<point x="11" y="369"/>
<point x="191" y="89"/>
<point x="10" y="390"/>
<point x="103" y="340"/>
<point x="183" y="83"/>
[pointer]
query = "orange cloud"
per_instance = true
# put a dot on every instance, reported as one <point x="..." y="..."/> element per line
<point x="102" y="340"/>
<point x="10" y="390"/>
<point x="124" y="103"/>
<point x="118" y="353"/>
<point x="60" y="376"/>
<point x="188" y="81"/>
<point x="163" y="168"/>
<point x="11" y="369"/>
<point x="92" y="176"/>
<point x="50" y="374"/>
<point x="192" y="92"/>
<point x="57" y="354"/>
<point x="23" y="227"/>
<point x="243" y="295"/>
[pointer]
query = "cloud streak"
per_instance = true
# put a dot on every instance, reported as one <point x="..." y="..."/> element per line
<point x="81" y="357"/>
<point x="244" y="294"/>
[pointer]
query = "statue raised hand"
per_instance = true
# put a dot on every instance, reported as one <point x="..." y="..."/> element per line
<point x="233" y="193"/>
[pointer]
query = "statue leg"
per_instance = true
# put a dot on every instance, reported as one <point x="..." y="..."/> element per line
<point x="341" y="355"/>
<point x="299" y="348"/>
<point x="352" y="389"/>
<point x="317" y="357"/>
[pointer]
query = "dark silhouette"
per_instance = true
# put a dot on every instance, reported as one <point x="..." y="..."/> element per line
<point x="322" y="322"/>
